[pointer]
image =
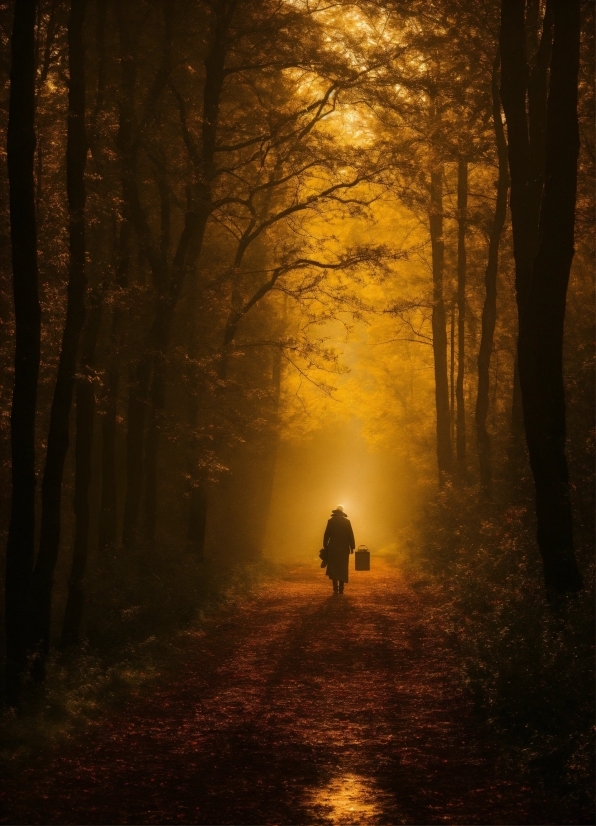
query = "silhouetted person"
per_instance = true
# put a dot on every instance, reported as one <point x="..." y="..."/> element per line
<point x="339" y="543"/>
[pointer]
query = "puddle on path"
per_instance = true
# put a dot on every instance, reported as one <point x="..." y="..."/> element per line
<point x="347" y="799"/>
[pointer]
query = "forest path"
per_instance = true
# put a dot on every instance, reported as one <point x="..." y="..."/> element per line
<point x="298" y="707"/>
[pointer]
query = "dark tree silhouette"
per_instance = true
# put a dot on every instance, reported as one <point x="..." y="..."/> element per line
<point x="444" y="447"/>
<point x="543" y="232"/>
<point x="462" y="222"/>
<point x="58" y="436"/>
<point x="489" y="310"/>
<point x="85" y="414"/>
<point x="86" y="383"/>
<point x="23" y="234"/>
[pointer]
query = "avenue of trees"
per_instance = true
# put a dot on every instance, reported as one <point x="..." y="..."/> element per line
<point x="182" y="177"/>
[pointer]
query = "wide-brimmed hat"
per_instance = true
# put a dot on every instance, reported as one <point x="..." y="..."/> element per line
<point x="339" y="509"/>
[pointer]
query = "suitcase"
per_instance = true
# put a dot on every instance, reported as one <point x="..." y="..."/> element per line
<point x="362" y="559"/>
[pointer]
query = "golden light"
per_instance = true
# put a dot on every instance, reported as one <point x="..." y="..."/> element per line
<point x="347" y="799"/>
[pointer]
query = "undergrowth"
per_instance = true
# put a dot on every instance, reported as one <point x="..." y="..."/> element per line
<point x="527" y="663"/>
<point x="137" y="609"/>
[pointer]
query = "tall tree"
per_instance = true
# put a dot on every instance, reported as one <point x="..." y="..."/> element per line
<point x="169" y="276"/>
<point x="439" y="324"/>
<point x="58" y="435"/>
<point x="108" y="514"/>
<point x="23" y="234"/>
<point x="85" y="413"/>
<point x="86" y="382"/>
<point x="489" y="310"/>
<point x="462" y="222"/>
<point x="543" y="254"/>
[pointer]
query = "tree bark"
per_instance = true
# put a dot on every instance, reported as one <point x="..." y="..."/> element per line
<point x="108" y="511"/>
<point x="489" y="310"/>
<point x="85" y="413"/>
<point x="58" y="436"/>
<point x="452" y="372"/>
<point x="23" y="236"/>
<point x="444" y="449"/>
<point x="197" y="490"/>
<point x="542" y="313"/>
<point x="137" y="411"/>
<point x="140" y="376"/>
<point x="154" y="430"/>
<point x="197" y="520"/>
<point x="462" y="220"/>
<point x="543" y="253"/>
<point x="85" y="385"/>
<point x="517" y="413"/>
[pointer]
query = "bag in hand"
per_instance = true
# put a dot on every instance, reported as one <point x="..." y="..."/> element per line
<point x="323" y="553"/>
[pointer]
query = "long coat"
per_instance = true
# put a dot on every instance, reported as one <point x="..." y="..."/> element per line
<point x="339" y="541"/>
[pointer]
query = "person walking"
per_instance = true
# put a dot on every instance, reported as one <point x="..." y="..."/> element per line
<point x="339" y="543"/>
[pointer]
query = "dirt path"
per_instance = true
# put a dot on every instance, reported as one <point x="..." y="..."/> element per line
<point x="299" y="708"/>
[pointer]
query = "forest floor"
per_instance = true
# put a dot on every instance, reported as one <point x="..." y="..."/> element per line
<point x="292" y="707"/>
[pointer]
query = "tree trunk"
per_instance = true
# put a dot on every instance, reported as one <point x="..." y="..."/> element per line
<point x="489" y="311"/>
<point x="268" y="476"/>
<point x="198" y="503"/>
<point x="517" y="413"/>
<point x="526" y="131"/>
<point x="462" y="220"/>
<point x="23" y="236"/>
<point x="85" y="386"/>
<point x="85" y="413"/>
<point x="197" y="520"/>
<point x="444" y="451"/>
<point x="154" y="430"/>
<point x="142" y="450"/>
<point x="158" y="379"/>
<point x="137" y="412"/>
<point x="108" y="513"/>
<point x="542" y="312"/>
<point x="543" y="255"/>
<point x="58" y="436"/>
<point x="108" y="510"/>
<point x="452" y="372"/>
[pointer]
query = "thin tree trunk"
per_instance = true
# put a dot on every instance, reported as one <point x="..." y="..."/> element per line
<point x="85" y="384"/>
<point x="108" y="511"/>
<point x="526" y="131"/>
<point x="198" y="502"/>
<point x="23" y="236"/>
<point x="137" y="412"/>
<point x="58" y="436"/>
<point x="462" y="212"/>
<point x="197" y="499"/>
<point x="268" y="474"/>
<point x="197" y="520"/>
<point x="154" y="430"/>
<point x="39" y="174"/>
<point x="85" y="413"/>
<point x="444" y="450"/>
<point x="140" y="376"/>
<point x="543" y="311"/>
<point x="158" y="379"/>
<point x="489" y="311"/>
<point x="452" y="372"/>
<point x="100" y="45"/>
<point x="537" y="126"/>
